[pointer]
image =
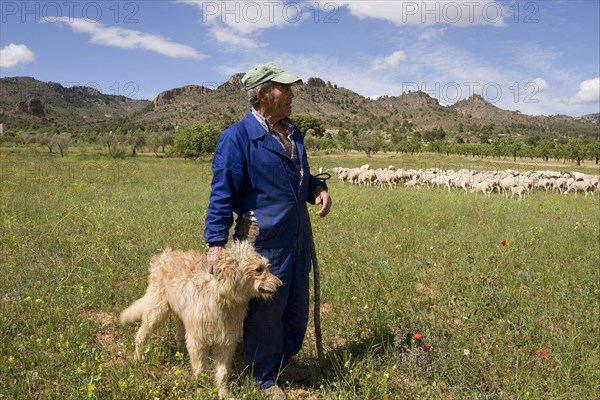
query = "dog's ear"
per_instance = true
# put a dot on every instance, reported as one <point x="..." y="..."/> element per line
<point x="227" y="268"/>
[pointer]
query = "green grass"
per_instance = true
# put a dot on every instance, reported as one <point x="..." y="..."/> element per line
<point x="78" y="232"/>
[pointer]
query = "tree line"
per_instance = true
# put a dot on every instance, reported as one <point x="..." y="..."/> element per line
<point x="200" y="139"/>
<point x="370" y="142"/>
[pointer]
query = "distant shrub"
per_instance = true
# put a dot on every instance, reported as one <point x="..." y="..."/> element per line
<point x="118" y="151"/>
<point x="195" y="140"/>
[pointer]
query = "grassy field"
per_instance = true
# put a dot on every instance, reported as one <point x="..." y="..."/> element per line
<point x="426" y="294"/>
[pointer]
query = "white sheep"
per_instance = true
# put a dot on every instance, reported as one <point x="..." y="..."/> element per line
<point x="412" y="183"/>
<point x="388" y="178"/>
<point x="518" y="191"/>
<point x="484" y="187"/>
<point x="342" y="176"/>
<point x="583" y="186"/>
<point x="353" y="175"/>
<point x="559" y="185"/>
<point x="460" y="183"/>
<point x="366" y="177"/>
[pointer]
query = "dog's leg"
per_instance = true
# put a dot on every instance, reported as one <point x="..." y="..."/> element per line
<point x="223" y="360"/>
<point x="153" y="316"/>
<point x="198" y="353"/>
<point x="180" y="337"/>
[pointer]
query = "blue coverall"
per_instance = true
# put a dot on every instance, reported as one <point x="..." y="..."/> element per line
<point x="253" y="172"/>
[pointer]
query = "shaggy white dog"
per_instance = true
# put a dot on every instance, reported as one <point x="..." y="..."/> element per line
<point x="210" y="308"/>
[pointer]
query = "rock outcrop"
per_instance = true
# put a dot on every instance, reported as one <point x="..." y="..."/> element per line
<point x="32" y="106"/>
<point x="168" y="95"/>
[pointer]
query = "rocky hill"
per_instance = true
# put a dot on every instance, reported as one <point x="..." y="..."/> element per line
<point x="590" y="119"/>
<point x="28" y="103"/>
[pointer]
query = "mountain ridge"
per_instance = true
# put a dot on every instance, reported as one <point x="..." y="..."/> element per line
<point x="338" y="108"/>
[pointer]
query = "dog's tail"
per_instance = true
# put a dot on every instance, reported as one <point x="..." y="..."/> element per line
<point x="133" y="312"/>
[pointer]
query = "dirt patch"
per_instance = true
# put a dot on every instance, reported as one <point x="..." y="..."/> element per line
<point x="105" y="322"/>
<point x="325" y="308"/>
<point x="302" y="394"/>
<point x="104" y="319"/>
<point x="421" y="288"/>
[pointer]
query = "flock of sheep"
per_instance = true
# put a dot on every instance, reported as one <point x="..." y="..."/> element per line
<point x="509" y="182"/>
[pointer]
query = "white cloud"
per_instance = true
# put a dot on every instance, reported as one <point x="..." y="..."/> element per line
<point x="431" y="34"/>
<point x="131" y="39"/>
<point x="234" y="22"/>
<point x="589" y="92"/>
<point x="224" y="34"/>
<point x="389" y="61"/>
<point x="14" y="54"/>
<point x="540" y="84"/>
<point x="451" y="12"/>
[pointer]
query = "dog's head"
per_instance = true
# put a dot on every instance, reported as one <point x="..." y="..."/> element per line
<point x="247" y="272"/>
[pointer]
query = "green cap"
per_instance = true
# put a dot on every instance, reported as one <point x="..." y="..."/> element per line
<point x="264" y="73"/>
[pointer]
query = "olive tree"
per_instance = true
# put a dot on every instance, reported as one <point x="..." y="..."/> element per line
<point x="195" y="140"/>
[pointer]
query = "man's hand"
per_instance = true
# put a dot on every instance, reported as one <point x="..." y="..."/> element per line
<point x="212" y="257"/>
<point x="322" y="197"/>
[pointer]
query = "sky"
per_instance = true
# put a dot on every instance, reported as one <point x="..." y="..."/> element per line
<point x="538" y="57"/>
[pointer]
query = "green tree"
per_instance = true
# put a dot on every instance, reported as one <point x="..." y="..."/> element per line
<point x="166" y="139"/>
<point x="544" y="148"/>
<point x="343" y="140"/>
<point x="439" y="146"/>
<point x="306" y="122"/>
<point x="135" y="140"/>
<point x="109" y="139"/>
<point x="593" y="150"/>
<point x="63" y="141"/>
<point x="428" y="136"/>
<point x="153" y="142"/>
<point x="575" y="150"/>
<point x="516" y="149"/>
<point x="413" y="145"/>
<point x="327" y="142"/>
<point x="195" y="140"/>
<point x="368" y="141"/>
<point x="500" y="148"/>
<point x="311" y="142"/>
<point x="48" y="140"/>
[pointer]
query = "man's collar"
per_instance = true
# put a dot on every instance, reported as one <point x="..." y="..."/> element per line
<point x="262" y="120"/>
<point x="287" y="122"/>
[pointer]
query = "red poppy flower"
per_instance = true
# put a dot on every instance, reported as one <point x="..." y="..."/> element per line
<point x="417" y="336"/>
<point x="427" y="347"/>
<point x="558" y="217"/>
<point x="504" y="243"/>
<point x="540" y="353"/>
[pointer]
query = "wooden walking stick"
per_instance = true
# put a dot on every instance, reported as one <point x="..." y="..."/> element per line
<point x="317" y="286"/>
<point x="317" y="294"/>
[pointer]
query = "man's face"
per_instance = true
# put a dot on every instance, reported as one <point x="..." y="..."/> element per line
<point x="278" y="103"/>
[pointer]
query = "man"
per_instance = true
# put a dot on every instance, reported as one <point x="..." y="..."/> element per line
<point x="261" y="173"/>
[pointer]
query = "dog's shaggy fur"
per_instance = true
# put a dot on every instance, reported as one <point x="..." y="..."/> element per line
<point x="210" y="308"/>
